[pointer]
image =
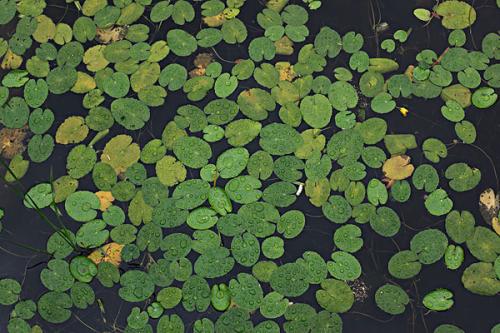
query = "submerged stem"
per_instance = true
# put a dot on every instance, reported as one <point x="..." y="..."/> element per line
<point x="28" y="247"/>
<point x="33" y="204"/>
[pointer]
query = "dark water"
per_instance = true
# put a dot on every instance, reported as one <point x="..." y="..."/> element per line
<point x="471" y="312"/>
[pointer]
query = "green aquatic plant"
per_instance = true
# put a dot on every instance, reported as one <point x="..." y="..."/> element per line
<point x="200" y="215"/>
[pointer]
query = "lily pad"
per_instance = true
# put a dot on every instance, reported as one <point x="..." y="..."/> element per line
<point x="391" y="299"/>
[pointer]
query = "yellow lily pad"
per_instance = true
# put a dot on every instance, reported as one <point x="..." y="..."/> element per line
<point x="111" y="253"/>
<point x="105" y="199"/>
<point x="72" y="130"/>
<point x="398" y="167"/>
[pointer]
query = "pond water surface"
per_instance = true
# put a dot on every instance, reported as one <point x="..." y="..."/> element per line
<point x="473" y="313"/>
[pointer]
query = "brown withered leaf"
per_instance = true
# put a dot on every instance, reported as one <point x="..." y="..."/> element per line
<point x="109" y="35"/>
<point x="11" y="60"/>
<point x="489" y="205"/>
<point x="214" y="21"/>
<point x="286" y="71"/>
<point x="12" y="141"/>
<point x="201" y="62"/>
<point x="198" y="71"/>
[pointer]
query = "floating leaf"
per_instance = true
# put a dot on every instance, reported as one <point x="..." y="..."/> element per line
<point x="57" y="276"/>
<point x="462" y="177"/>
<point x="82" y="205"/>
<point x="170" y="171"/>
<point x="453" y="257"/>
<point x="398" y="167"/>
<point x="120" y="153"/>
<point x="404" y="265"/>
<point x="246" y="292"/>
<point x="9" y="291"/>
<point x="456" y="14"/>
<point x="458" y="93"/>
<point x="438" y="300"/>
<point x="391" y="299"/>
<point x="53" y="307"/>
<point x="489" y="205"/>
<point x="438" y="203"/>
<point x="466" y="131"/>
<point x="429" y="245"/>
<point x="479" y="278"/>
<point x="110" y="253"/>
<point x="460" y="225"/>
<point x="344" y="266"/>
<point x="83" y="269"/>
<point x="335" y="296"/>
<point x="225" y="85"/>
<point x="484" y="244"/>
<point x="422" y="14"/>
<point x="130" y="113"/>
<point x="192" y="151"/>
<point x="136" y="286"/>
<point x="484" y="97"/>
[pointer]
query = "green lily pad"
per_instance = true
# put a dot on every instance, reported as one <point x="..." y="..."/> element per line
<point x="456" y="14"/>
<point x="438" y="203"/>
<point x="82" y="206"/>
<point x="83" y="269"/>
<point x="53" y="307"/>
<point x="9" y="291"/>
<point x="335" y="296"/>
<point x="391" y="299"/>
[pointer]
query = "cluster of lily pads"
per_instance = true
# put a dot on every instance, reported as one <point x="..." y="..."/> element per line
<point x="167" y="218"/>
